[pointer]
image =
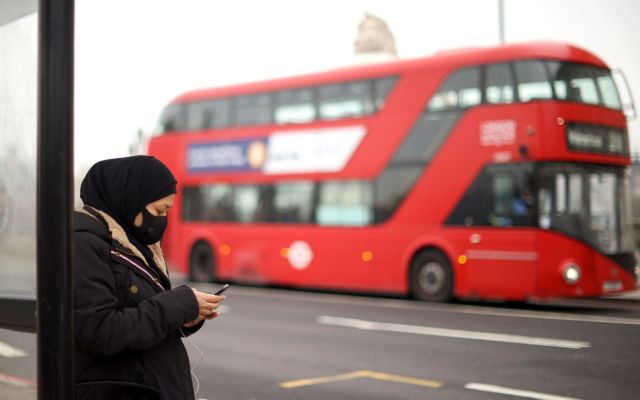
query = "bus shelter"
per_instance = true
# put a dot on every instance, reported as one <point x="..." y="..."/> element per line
<point x="36" y="189"/>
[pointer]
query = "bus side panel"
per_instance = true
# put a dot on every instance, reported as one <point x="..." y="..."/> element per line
<point x="501" y="263"/>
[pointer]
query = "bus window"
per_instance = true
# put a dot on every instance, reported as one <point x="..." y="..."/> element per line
<point x="603" y="210"/>
<point x="509" y="205"/>
<point x="533" y="83"/>
<point x="461" y="90"/>
<point x="207" y="203"/>
<point x="246" y="201"/>
<point x="196" y="116"/>
<point x="561" y="194"/>
<point x="253" y="110"/>
<point x="544" y="201"/>
<point x="170" y="120"/>
<point x="426" y="137"/>
<point x="574" y="82"/>
<point x="293" y="202"/>
<point x="294" y="106"/>
<point x="503" y="191"/>
<point x="583" y="89"/>
<point x="345" y="203"/>
<point x="208" y="114"/>
<point x="345" y="100"/>
<point x="499" y="84"/>
<point x="609" y="92"/>
<point x="381" y="89"/>
<point x="391" y="187"/>
<point x="501" y="195"/>
<point x="575" y="194"/>
<point x="584" y="84"/>
<point x="594" y="208"/>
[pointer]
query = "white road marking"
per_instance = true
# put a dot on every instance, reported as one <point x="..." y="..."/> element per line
<point x="451" y="333"/>
<point x="453" y="308"/>
<point x="10" y="351"/>
<point x="515" y="392"/>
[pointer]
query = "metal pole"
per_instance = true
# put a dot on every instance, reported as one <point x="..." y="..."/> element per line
<point x="501" y="20"/>
<point x="55" y="200"/>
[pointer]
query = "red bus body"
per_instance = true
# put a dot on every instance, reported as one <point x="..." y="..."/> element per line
<point x="487" y="262"/>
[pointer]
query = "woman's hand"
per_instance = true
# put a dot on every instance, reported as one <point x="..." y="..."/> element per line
<point x="207" y="307"/>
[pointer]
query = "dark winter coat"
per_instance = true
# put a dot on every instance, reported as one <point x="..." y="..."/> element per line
<point x="127" y="318"/>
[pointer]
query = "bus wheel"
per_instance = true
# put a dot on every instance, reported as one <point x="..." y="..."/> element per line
<point x="431" y="277"/>
<point x="201" y="263"/>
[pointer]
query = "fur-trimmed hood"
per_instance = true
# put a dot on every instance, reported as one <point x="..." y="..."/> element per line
<point x="118" y="234"/>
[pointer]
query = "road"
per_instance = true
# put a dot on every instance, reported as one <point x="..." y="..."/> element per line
<point x="284" y="344"/>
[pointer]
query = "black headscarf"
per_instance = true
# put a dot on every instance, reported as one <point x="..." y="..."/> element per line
<point x="121" y="187"/>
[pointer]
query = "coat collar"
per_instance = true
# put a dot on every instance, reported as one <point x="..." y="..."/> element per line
<point x="120" y="237"/>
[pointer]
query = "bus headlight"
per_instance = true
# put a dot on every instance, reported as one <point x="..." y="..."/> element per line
<point x="571" y="273"/>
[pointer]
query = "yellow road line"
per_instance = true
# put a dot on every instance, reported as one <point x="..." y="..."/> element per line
<point x="325" y="379"/>
<point x="402" y="379"/>
<point x="361" y="374"/>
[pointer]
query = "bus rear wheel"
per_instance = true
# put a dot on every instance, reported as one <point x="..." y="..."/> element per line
<point x="202" y="263"/>
<point x="431" y="277"/>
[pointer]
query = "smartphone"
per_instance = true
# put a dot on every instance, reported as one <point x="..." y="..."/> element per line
<point x="222" y="289"/>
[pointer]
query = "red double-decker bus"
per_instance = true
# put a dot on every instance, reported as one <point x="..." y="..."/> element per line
<point x="494" y="173"/>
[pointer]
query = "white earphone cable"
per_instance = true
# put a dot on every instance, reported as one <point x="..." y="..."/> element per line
<point x="195" y="364"/>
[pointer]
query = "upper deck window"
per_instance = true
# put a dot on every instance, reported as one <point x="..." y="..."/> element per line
<point x="253" y="110"/>
<point x="499" y="84"/>
<point x="208" y="114"/>
<point x="524" y="81"/>
<point x="584" y="84"/>
<point x="170" y="119"/>
<point x="533" y="82"/>
<point x="294" y="106"/>
<point x="609" y="92"/>
<point x="573" y="82"/>
<point x="461" y="90"/>
<point x="353" y="99"/>
<point x="381" y="89"/>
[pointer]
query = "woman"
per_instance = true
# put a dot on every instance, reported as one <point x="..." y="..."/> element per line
<point x="128" y="320"/>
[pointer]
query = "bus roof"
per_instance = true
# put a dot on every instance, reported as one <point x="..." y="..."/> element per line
<point x="449" y="59"/>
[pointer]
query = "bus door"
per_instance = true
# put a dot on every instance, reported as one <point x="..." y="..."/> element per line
<point x="501" y="247"/>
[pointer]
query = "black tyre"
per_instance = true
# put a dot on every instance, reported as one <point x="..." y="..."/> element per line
<point x="202" y="263"/>
<point x="431" y="277"/>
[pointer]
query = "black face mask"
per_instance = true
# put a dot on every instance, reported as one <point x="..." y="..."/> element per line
<point x="152" y="228"/>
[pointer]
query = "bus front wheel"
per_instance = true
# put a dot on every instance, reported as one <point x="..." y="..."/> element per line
<point x="202" y="263"/>
<point x="431" y="277"/>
